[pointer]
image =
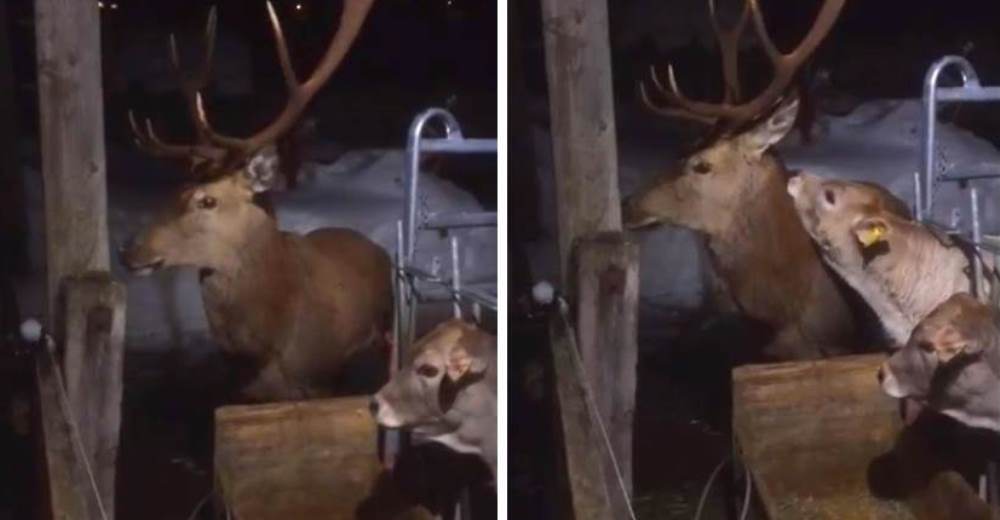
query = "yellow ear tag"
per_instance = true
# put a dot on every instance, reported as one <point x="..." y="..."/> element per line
<point x="871" y="235"/>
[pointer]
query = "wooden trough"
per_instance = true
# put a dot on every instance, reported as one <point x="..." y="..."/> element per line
<point x="305" y="459"/>
<point x="813" y="435"/>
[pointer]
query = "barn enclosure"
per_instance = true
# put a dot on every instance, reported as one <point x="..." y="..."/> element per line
<point x="128" y="396"/>
<point x="688" y="399"/>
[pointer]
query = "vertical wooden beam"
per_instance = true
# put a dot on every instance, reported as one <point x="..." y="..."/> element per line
<point x="93" y="358"/>
<point x="606" y="325"/>
<point x="585" y="155"/>
<point x="72" y="141"/>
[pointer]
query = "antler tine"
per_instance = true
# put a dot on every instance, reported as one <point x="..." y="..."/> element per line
<point x="300" y="93"/>
<point x="147" y="140"/>
<point x="729" y="48"/>
<point x="785" y="65"/>
<point x="286" y="62"/>
<point x="675" y="96"/>
<point x="671" y="112"/>
<point x="192" y="85"/>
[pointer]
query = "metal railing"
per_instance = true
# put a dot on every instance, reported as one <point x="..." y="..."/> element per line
<point x="414" y="285"/>
<point x="928" y="179"/>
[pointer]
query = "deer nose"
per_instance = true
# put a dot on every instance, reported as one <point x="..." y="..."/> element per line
<point x="373" y="406"/>
<point x="881" y="375"/>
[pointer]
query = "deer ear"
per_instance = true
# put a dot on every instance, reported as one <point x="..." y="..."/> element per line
<point x="470" y="355"/>
<point x="758" y="139"/>
<point x="871" y="231"/>
<point x="261" y="172"/>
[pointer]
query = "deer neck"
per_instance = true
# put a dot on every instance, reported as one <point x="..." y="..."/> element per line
<point x="259" y="262"/>
<point x="764" y="246"/>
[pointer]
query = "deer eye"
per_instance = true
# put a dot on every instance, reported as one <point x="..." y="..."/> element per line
<point x="428" y="371"/>
<point x="701" y="167"/>
<point x="831" y="198"/>
<point x="207" y="202"/>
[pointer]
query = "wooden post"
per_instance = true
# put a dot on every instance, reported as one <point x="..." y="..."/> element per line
<point x="606" y="326"/>
<point x="72" y="141"/>
<point x="603" y="281"/>
<point x="581" y="441"/>
<point x="86" y="314"/>
<point x="585" y="155"/>
<point x="69" y="492"/>
<point x="92" y="362"/>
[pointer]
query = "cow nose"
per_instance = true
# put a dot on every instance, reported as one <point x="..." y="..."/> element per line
<point x="881" y="375"/>
<point x="794" y="185"/>
<point x="373" y="406"/>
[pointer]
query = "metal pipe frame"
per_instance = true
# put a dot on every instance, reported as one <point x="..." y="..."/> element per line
<point x="970" y="91"/>
<point x="406" y="275"/>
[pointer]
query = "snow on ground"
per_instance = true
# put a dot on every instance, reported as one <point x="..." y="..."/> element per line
<point x="363" y="190"/>
<point x="879" y="142"/>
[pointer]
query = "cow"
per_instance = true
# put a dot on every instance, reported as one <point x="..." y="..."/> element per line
<point x="447" y="392"/>
<point x="951" y="363"/>
<point x="902" y="269"/>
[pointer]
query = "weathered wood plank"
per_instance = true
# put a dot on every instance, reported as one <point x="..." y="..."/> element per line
<point x="305" y="459"/>
<point x="92" y="364"/>
<point x="71" y="110"/>
<point x="606" y="327"/>
<point x="69" y="492"/>
<point x="581" y="449"/>
<point x="811" y="433"/>
<point x="585" y="154"/>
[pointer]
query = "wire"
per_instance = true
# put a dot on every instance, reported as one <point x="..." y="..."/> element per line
<point x="595" y="413"/>
<point x="745" y="510"/>
<point x="73" y="426"/>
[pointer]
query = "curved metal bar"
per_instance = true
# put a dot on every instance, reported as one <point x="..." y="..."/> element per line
<point x="969" y="79"/>
<point x="414" y="138"/>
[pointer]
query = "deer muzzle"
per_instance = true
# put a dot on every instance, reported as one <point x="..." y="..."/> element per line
<point x="138" y="259"/>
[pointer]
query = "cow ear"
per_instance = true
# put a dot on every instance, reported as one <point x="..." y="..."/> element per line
<point x="871" y="231"/>
<point x="261" y="173"/>
<point x="468" y="356"/>
<point x="758" y="139"/>
<point x="948" y="351"/>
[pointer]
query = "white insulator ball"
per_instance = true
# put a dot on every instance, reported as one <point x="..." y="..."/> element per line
<point x="543" y="293"/>
<point x="31" y="330"/>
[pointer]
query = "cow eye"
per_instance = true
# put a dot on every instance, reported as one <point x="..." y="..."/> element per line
<point x="428" y="371"/>
<point x="701" y="167"/>
<point x="831" y="197"/>
<point x="207" y="202"/>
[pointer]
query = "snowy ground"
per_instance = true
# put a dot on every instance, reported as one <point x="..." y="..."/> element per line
<point x="362" y="190"/>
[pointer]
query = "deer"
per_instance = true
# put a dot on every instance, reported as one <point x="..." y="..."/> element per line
<point x="290" y="309"/>
<point x="732" y="190"/>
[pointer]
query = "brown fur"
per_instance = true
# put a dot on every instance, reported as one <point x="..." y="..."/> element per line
<point x="734" y="193"/>
<point x="296" y="306"/>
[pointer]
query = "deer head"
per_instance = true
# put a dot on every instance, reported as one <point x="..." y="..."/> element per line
<point x="209" y="222"/>
<point x="707" y="189"/>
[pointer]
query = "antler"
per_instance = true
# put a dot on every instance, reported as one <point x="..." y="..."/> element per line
<point x="300" y="93"/>
<point x="214" y="146"/>
<point x="730" y="108"/>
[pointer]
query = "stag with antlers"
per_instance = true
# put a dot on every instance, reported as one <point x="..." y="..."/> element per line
<point x="295" y="307"/>
<point x="732" y="191"/>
